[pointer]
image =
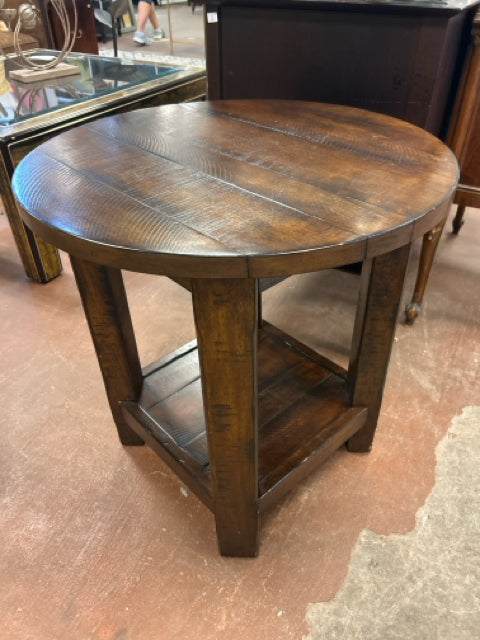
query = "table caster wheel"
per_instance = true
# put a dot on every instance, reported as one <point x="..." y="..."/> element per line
<point x="412" y="311"/>
<point x="457" y="225"/>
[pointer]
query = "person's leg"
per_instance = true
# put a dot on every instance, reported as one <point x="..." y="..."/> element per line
<point x="158" y="33"/>
<point x="153" y="16"/>
<point x="144" y="9"/>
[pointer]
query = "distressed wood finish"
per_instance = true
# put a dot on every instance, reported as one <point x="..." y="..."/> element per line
<point x="380" y="291"/>
<point x="226" y="322"/>
<point x="106" y="309"/>
<point x="194" y="198"/>
<point x="224" y="198"/>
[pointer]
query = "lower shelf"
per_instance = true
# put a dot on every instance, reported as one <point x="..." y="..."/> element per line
<point x="303" y="414"/>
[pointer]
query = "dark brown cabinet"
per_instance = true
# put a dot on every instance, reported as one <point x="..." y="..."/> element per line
<point x="404" y="59"/>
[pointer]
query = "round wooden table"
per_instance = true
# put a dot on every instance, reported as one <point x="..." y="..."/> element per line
<point x="220" y="196"/>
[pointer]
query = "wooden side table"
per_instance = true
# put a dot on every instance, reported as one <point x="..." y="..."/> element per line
<point x="218" y="196"/>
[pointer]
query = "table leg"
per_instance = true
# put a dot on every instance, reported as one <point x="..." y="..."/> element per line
<point x="106" y="308"/>
<point x="40" y="259"/>
<point x="379" y="298"/>
<point x="226" y="318"/>
<point x="429" y="248"/>
<point x="457" y="222"/>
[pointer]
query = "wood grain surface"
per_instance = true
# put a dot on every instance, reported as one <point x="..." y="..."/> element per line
<point x="236" y="188"/>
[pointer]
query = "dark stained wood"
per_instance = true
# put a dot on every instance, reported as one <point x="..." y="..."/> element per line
<point x="429" y="247"/>
<point x="186" y="467"/>
<point x="458" y="221"/>
<point x="329" y="437"/>
<point x="222" y="197"/>
<point x="304" y="414"/>
<point x="380" y="290"/>
<point x="399" y="58"/>
<point x="186" y="216"/>
<point x="226" y="322"/>
<point x="159" y="382"/>
<point x="463" y="136"/>
<point x="322" y="414"/>
<point x="106" y="309"/>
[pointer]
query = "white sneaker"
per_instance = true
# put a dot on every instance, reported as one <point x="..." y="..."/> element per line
<point x="158" y="34"/>
<point x="141" y="38"/>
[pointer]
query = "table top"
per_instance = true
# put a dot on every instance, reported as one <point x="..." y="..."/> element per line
<point x="100" y="81"/>
<point x="247" y="188"/>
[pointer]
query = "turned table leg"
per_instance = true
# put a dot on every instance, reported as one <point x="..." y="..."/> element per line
<point x="379" y="298"/>
<point x="226" y="318"/>
<point x="106" y="308"/>
<point x="429" y="248"/>
<point x="457" y="222"/>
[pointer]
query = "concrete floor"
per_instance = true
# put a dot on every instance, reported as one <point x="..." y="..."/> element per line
<point x="102" y="542"/>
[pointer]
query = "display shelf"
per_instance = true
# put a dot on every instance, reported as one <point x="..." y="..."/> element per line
<point x="303" y="413"/>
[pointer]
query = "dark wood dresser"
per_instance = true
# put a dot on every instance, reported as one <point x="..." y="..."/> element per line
<point x="403" y="58"/>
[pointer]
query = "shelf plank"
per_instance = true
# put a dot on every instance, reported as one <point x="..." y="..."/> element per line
<point x="194" y="475"/>
<point x="308" y="454"/>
